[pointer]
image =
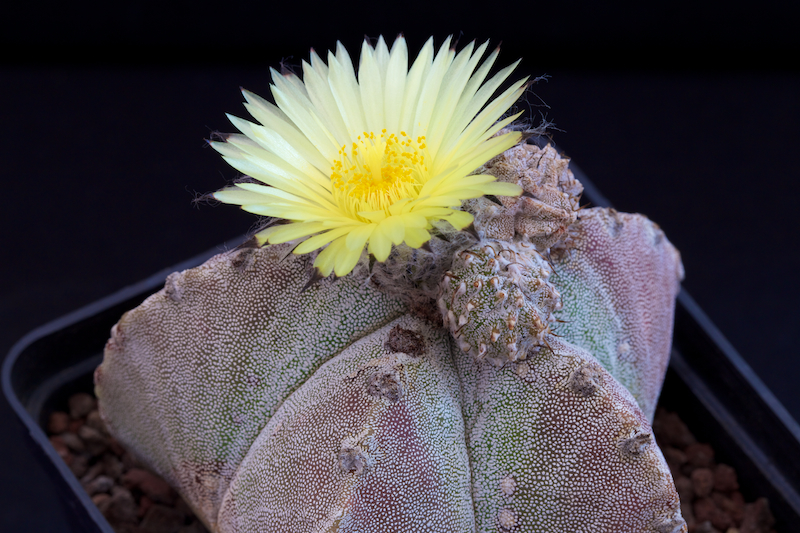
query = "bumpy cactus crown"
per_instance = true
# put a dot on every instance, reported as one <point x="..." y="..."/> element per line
<point x="497" y="301"/>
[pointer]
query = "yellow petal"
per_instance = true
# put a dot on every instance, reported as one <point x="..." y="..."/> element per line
<point x="317" y="241"/>
<point x="501" y="188"/>
<point x="459" y="219"/>
<point x="394" y="229"/>
<point x="414" y="220"/>
<point x="346" y="260"/>
<point x="262" y="237"/>
<point x="358" y="237"/>
<point x="373" y="216"/>
<point x="416" y="237"/>
<point x="290" y="232"/>
<point x="327" y="257"/>
<point x="380" y="244"/>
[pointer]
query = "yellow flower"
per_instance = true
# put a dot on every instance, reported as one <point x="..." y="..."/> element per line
<point x="371" y="159"/>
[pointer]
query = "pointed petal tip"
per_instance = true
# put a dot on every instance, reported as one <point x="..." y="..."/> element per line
<point x="218" y="138"/>
<point x="316" y="277"/>
<point x="494" y="199"/>
<point x="249" y="96"/>
<point x="252" y="242"/>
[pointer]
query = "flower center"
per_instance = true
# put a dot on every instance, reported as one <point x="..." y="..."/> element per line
<point x="379" y="170"/>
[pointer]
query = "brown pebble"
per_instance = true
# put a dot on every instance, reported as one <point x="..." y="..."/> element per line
<point x="102" y="501"/>
<point x="151" y="485"/>
<point x="194" y="527"/>
<point x="675" y="458"/>
<point x="671" y="431"/>
<point x="732" y="505"/>
<point x="128" y="528"/>
<point x="121" y="508"/>
<point x="99" y="484"/>
<point x="96" y="442"/>
<point x="702" y="482"/>
<point x="94" y="471"/>
<point x="112" y="466"/>
<point x="73" y="442"/>
<point x="58" y="422"/>
<point x="80" y="465"/>
<point x="685" y="488"/>
<point x="162" y="519"/>
<point x="182" y="506"/>
<point x="94" y="421"/>
<point x="699" y="455"/>
<point x="129" y="461"/>
<point x="725" y="478"/>
<point x="75" y="425"/>
<point x="81" y="404"/>
<point x="705" y="527"/>
<point x="688" y="513"/>
<point x="706" y="509"/>
<point x="145" y="504"/>
<point x="757" y="517"/>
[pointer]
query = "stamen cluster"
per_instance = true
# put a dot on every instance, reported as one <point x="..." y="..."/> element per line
<point x="379" y="171"/>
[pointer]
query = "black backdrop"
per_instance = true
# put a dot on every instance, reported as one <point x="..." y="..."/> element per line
<point x="687" y="113"/>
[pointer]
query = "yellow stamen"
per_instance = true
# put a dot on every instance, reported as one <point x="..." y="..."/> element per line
<point x="380" y="170"/>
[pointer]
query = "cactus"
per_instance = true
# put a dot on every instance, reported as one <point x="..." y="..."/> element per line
<point x="190" y="377"/>
<point x="493" y="380"/>
<point x="271" y="408"/>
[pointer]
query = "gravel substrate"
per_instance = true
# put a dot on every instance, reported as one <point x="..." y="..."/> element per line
<point x="132" y="499"/>
<point x="135" y="500"/>
<point x="710" y="497"/>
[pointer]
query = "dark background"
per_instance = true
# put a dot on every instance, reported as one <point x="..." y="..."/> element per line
<point x="687" y="113"/>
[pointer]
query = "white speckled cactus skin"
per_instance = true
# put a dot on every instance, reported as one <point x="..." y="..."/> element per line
<point x="274" y="409"/>
<point x="551" y="442"/>
<point x="611" y="305"/>
<point x="190" y="377"/>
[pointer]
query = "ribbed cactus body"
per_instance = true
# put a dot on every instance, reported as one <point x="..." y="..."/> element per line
<point x="277" y="406"/>
<point x="618" y="284"/>
<point x="191" y="376"/>
<point x="373" y="441"/>
<point x="551" y="445"/>
<point x="274" y="409"/>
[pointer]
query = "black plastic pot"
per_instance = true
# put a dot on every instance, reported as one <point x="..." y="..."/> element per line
<point x="711" y="387"/>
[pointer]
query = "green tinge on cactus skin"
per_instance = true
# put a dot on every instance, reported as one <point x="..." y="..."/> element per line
<point x="618" y="287"/>
<point x="594" y="326"/>
<point x="546" y="455"/>
<point x="406" y="468"/>
<point x="191" y="377"/>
